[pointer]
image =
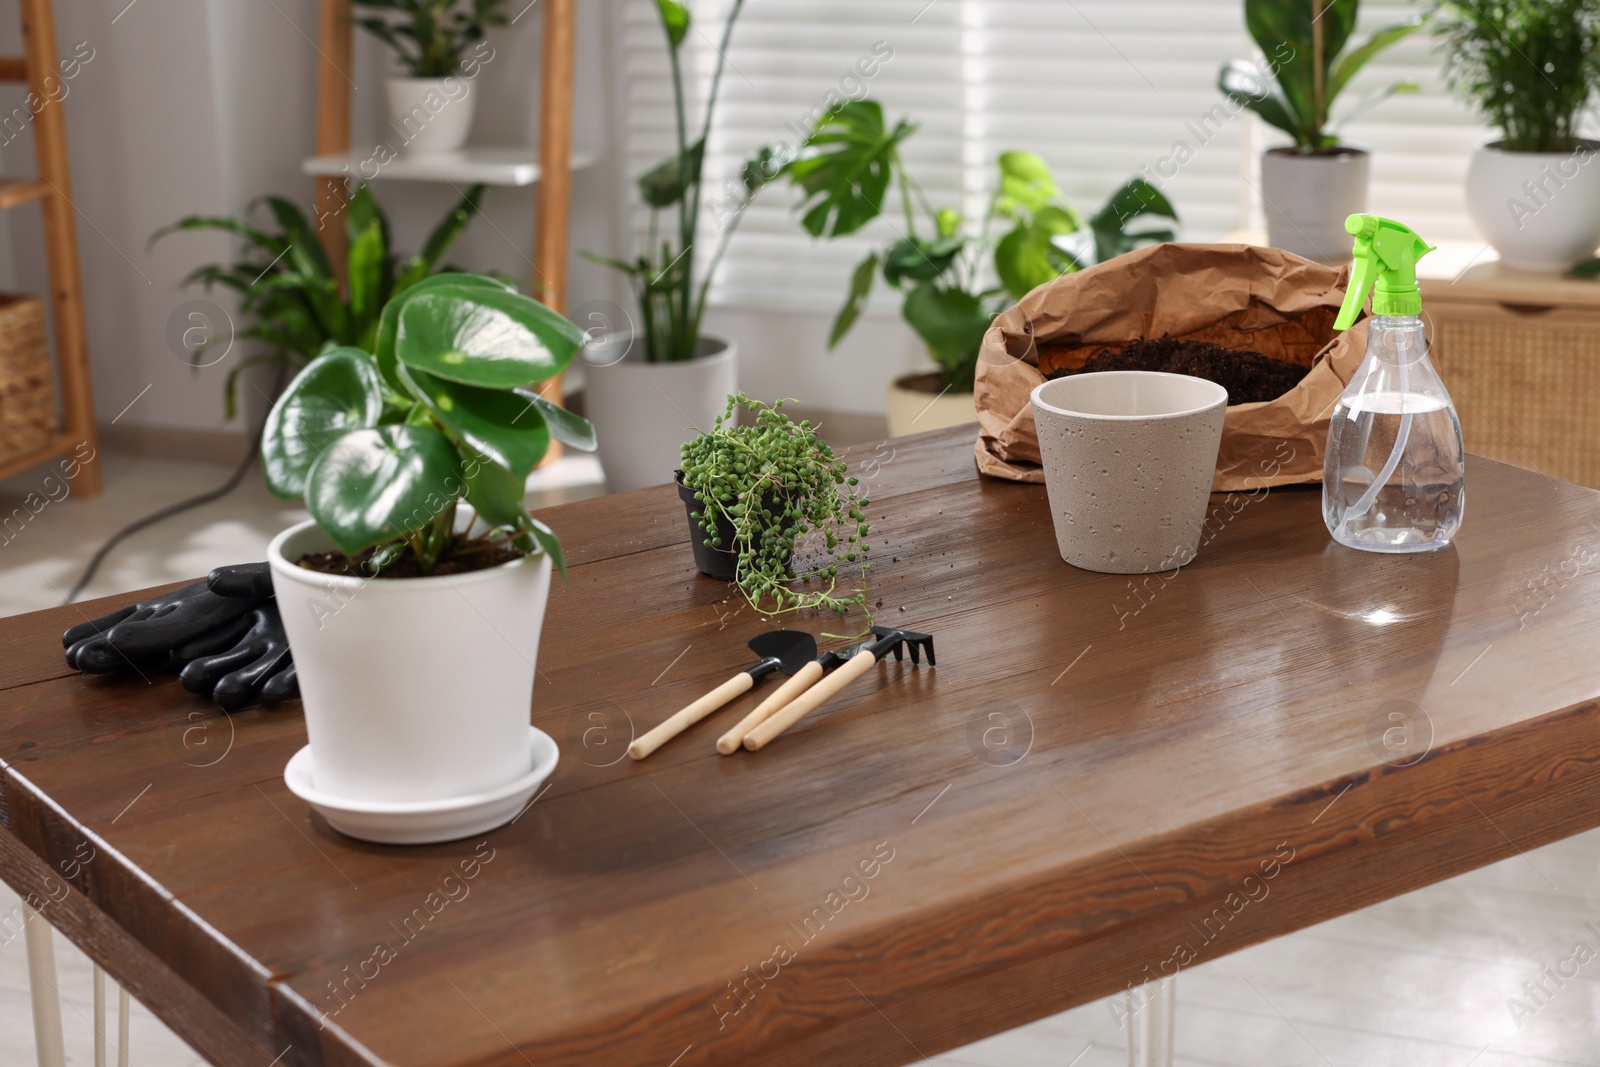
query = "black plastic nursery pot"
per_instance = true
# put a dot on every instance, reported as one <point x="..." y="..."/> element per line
<point x="720" y="563"/>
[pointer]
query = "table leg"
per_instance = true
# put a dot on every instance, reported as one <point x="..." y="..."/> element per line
<point x="1151" y="1009"/>
<point x="122" y="1026"/>
<point x="42" y="987"/>
<point x="99" y="1017"/>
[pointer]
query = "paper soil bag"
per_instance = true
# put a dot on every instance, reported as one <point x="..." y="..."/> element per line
<point x="1240" y="296"/>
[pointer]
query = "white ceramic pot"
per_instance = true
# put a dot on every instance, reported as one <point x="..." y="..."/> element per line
<point x="643" y="413"/>
<point x="1540" y="210"/>
<point x="917" y="404"/>
<point x="1128" y="461"/>
<point x="428" y="116"/>
<point x="415" y="689"/>
<point x="1307" y="198"/>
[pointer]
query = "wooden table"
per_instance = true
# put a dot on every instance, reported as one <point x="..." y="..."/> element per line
<point x="1103" y="781"/>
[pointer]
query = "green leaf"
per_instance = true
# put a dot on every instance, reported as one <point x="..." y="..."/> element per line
<point x="675" y="20"/>
<point x="664" y="184"/>
<point x="494" y="492"/>
<point x="948" y="222"/>
<point x="845" y="169"/>
<point x="363" y="211"/>
<point x="481" y="336"/>
<point x="338" y="392"/>
<point x="1022" y="260"/>
<point x="273" y="245"/>
<point x="1588" y="269"/>
<point x="1371" y="99"/>
<point x="389" y="321"/>
<point x="1274" y="24"/>
<point x="1025" y="183"/>
<point x="1351" y="62"/>
<point x="495" y="422"/>
<point x="547" y="542"/>
<point x="376" y="485"/>
<point x="1242" y="83"/>
<point x="574" y="431"/>
<point x="914" y="259"/>
<point x="856" y="301"/>
<point x="1137" y="198"/>
<point x="439" y="241"/>
<point x="305" y="249"/>
<point x="365" y="268"/>
<point x="951" y="322"/>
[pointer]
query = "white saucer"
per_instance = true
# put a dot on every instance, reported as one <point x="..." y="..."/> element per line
<point x="425" y="822"/>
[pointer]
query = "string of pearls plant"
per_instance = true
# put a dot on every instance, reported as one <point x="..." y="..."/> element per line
<point x="774" y="482"/>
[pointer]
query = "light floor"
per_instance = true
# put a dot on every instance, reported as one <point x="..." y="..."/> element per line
<point x="1420" y="981"/>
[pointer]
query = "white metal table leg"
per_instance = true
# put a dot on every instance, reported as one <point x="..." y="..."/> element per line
<point x="1151" y="1009"/>
<point x="122" y="1026"/>
<point x="42" y="987"/>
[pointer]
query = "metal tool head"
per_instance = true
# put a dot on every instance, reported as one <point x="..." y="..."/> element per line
<point x="785" y="650"/>
<point x="892" y="638"/>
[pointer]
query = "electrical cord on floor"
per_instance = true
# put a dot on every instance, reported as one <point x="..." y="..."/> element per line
<point x="183" y="505"/>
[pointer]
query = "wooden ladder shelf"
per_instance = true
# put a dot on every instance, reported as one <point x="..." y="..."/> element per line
<point x="53" y="190"/>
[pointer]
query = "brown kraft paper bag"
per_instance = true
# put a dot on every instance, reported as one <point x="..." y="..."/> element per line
<point x="1240" y="296"/>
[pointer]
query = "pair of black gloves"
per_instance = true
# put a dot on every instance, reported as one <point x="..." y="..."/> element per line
<point x="225" y="631"/>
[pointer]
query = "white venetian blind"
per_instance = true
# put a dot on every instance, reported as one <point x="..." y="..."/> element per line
<point x="1104" y="90"/>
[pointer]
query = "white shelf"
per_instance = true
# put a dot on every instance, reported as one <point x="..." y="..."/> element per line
<point x="492" y="165"/>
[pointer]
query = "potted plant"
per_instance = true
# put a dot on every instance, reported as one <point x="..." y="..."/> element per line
<point x="941" y="264"/>
<point x="289" y="291"/>
<point x="432" y="109"/>
<point x="755" y="491"/>
<point x="1310" y="187"/>
<point x="1530" y="67"/>
<point x="649" y="392"/>
<point x="414" y="622"/>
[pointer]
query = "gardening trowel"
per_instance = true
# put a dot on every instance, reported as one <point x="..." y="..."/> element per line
<point x="780" y="650"/>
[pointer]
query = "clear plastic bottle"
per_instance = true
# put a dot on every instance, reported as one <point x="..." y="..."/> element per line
<point x="1394" y="479"/>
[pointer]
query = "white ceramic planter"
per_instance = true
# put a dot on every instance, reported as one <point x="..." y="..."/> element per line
<point x="1307" y="198"/>
<point x="415" y="689"/>
<point x="1540" y="210"/>
<point x="428" y="116"/>
<point x="644" y="412"/>
<point x="914" y="410"/>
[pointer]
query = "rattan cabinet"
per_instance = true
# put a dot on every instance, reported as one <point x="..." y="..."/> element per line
<point x="1520" y="354"/>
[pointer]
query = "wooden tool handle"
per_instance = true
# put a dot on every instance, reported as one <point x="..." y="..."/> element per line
<point x="803" y="679"/>
<point x="793" y="712"/>
<point x="643" y="746"/>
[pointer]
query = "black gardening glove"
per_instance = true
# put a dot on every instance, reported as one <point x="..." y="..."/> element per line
<point x="149" y="631"/>
<point x="249" y="660"/>
<point x="226" y="629"/>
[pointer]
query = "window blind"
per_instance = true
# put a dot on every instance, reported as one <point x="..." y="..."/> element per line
<point x="1104" y="90"/>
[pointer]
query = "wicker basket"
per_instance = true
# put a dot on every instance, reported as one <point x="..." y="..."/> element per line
<point x="28" y="419"/>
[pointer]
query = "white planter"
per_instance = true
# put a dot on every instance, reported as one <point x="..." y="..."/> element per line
<point x="644" y="412"/>
<point x="428" y="116"/>
<point x="415" y="689"/>
<point x="1307" y="198"/>
<point x="915" y="410"/>
<point x="1540" y="210"/>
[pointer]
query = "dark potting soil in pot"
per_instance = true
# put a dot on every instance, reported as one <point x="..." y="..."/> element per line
<point x="1249" y="377"/>
<point x="461" y="557"/>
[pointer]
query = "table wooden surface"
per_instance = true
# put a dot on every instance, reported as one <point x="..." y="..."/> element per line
<point x="1104" y="780"/>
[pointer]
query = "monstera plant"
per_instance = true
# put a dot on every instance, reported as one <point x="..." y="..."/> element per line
<point x="414" y="622"/>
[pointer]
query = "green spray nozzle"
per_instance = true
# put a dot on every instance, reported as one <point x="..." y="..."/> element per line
<point x="1385" y="265"/>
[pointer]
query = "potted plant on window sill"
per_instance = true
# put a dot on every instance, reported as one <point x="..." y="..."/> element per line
<point x="431" y="111"/>
<point x="414" y="622"/>
<point x="847" y="168"/>
<point x="1530" y="67"/>
<point x="1310" y="187"/>
<point x="651" y="388"/>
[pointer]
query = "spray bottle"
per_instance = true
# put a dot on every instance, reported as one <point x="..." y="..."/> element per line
<point x="1394" y="476"/>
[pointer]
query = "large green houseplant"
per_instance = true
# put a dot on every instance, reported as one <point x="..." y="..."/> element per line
<point x="1530" y="68"/>
<point x="441" y="45"/>
<point x="666" y="379"/>
<point x="955" y="275"/>
<point x="1310" y="58"/>
<point x="288" y="290"/>
<point x="413" y="633"/>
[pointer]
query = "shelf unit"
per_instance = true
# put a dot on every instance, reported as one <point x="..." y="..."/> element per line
<point x="52" y="189"/>
<point x="548" y="167"/>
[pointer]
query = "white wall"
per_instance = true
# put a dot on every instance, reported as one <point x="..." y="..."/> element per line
<point x="199" y="106"/>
